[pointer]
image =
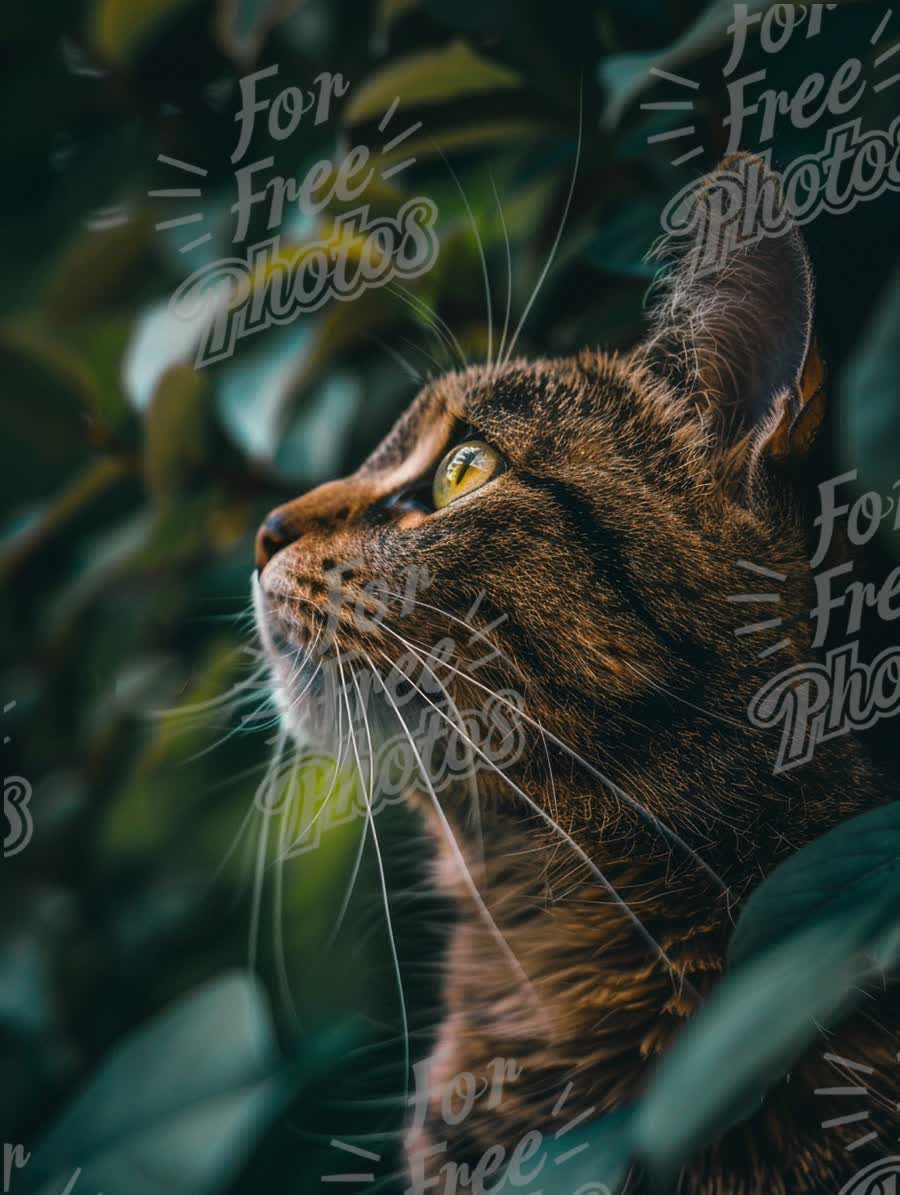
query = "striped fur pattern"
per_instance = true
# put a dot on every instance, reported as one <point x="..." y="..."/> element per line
<point x="605" y="556"/>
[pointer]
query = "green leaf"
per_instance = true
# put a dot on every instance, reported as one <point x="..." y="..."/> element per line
<point x="624" y="240"/>
<point x="501" y="129"/>
<point x="853" y="868"/>
<point x="628" y="75"/>
<point x="91" y="484"/>
<point x="262" y="391"/>
<point x="593" y="1159"/>
<point x="390" y="11"/>
<point x="159" y="340"/>
<point x="180" y="533"/>
<point x="757" y="1023"/>
<point x="99" y="343"/>
<point x="553" y="46"/>
<point x="312" y="448"/>
<point x="177" y="1105"/>
<point x="101" y="270"/>
<point x="243" y="24"/>
<point x="44" y="405"/>
<point x="177" y="431"/>
<point x="119" y="27"/>
<point x="429" y="77"/>
<point x="868" y="398"/>
<point x="176" y="736"/>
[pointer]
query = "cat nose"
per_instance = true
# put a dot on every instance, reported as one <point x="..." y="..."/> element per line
<point x="320" y="513"/>
<point x="273" y="535"/>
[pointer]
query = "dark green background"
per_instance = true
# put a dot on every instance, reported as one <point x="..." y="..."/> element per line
<point x="133" y="486"/>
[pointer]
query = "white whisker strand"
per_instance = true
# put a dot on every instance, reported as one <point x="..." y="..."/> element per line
<point x="558" y="238"/>
<point x="425" y="353"/>
<point x="397" y="357"/>
<point x="383" y="880"/>
<point x="481" y="254"/>
<point x="328" y="697"/>
<point x="345" y="903"/>
<point x="509" y="278"/>
<point x="475" y="631"/>
<point x="254" y="681"/>
<point x="284" y="982"/>
<point x="474" y="802"/>
<point x="639" y="926"/>
<point x="245" y="723"/>
<point x="348" y="892"/>
<point x="640" y="809"/>
<point x="432" y="320"/>
<point x="268" y="784"/>
<point x="236" y="841"/>
<point x="483" y="910"/>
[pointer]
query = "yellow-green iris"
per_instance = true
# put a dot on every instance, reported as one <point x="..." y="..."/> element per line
<point x="465" y="468"/>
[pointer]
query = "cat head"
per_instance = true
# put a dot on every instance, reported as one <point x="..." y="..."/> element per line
<point x="573" y="526"/>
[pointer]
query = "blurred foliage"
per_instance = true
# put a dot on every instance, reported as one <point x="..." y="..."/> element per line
<point x="134" y="483"/>
<point x="809" y="940"/>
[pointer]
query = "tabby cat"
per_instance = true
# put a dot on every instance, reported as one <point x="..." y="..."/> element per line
<point x="593" y="511"/>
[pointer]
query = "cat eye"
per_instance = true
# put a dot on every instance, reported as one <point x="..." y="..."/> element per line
<point x="465" y="468"/>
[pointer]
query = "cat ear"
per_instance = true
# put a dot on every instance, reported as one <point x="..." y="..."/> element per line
<point x="733" y="327"/>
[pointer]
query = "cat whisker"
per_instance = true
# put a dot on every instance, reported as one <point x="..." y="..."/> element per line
<point x="340" y="711"/>
<point x="477" y="634"/>
<point x="641" y="810"/>
<point x="298" y="668"/>
<point x="370" y="817"/>
<point x="558" y="238"/>
<point x="254" y="681"/>
<point x="474" y="805"/>
<point x="343" y="739"/>
<point x="397" y="357"/>
<point x="244" y="724"/>
<point x="278" y="901"/>
<point x="481" y="254"/>
<point x="267" y="785"/>
<point x="631" y="779"/>
<point x="348" y="893"/>
<point x="683" y="700"/>
<point x="453" y="844"/>
<point x="639" y="926"/>
<point x="497" y="654"/>
<point x="310" y="681"/>
<point x="183" y="718"/>
<point x="554" y="803"/>
<point x="419" y="349"/>
<point x="287" y="850"/>
<point x="435" y="322"/>
<point x="509" y="280"/>
<point x="236" y="841"/>
<point x="365" y="717"/>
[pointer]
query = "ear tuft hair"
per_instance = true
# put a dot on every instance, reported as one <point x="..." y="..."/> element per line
<point x="733" y="322"/>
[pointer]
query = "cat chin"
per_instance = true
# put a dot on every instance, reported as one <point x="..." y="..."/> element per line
<point x="287" y="682"/>
<point x="259" y="612"/>
<point x="398" y="730"/>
